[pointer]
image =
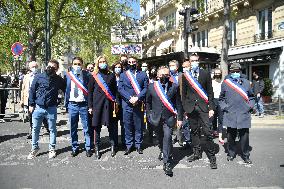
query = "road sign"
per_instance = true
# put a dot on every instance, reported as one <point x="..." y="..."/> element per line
<point x="17" y="48"/>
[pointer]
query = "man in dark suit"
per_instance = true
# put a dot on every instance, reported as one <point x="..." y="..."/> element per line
<point x="132" y="88"/>
<point x="163" y="108"/>
<point x="197" y="101"/>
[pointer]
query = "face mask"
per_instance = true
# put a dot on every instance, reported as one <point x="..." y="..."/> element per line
<point x="117" y="70"/>
<point x="217" y="76"/>
<point x="185" y="69"/>
<point x="50" y="71"/>
<point x="34" y="70"/>
<point x="76" y="69"/>
<point x="102" y="66"/>
<point x="235" y="75"/>
<point x="194" y="66"/>
<point x="173" y="69"/>
<point x="144" y="69"/>
<point x="132" y="67"/>
<point x="164" y="79"/>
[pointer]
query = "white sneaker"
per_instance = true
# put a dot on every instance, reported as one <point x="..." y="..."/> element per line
<point x="51" y="153"/>
<point x="33" y="154"/>
<point x="2" y="121"/>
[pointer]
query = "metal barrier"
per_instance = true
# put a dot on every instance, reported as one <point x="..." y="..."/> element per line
<point x="12" y="99"/>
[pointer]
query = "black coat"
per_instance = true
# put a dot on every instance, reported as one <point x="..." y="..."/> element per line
<point x="190" y="97"/>
<point x="98" y="101"/>
<point x="158" y="110"/>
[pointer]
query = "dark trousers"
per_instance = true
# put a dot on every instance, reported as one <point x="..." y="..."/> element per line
<point x="112" y="135"/>
<point x="200" y="129"/>
<point x="3" y="106"/>
<point x="164" y="133"/>
<point x="244" y="141"/>
<point x="133" y="121"/>
<point x="217" y="119"/>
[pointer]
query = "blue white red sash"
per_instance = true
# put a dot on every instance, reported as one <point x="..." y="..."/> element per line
<point x="101" y="82"/>
<point x="238" y="88"/>
<point x="196" y="86"/>
<point x="173" y="79"/>
<point x="133" y="82"/>
<point x="78" y="82"/>
<point x="163" y="97"/>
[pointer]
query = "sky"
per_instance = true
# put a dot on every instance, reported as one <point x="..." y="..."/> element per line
<point x="136" y="9"/>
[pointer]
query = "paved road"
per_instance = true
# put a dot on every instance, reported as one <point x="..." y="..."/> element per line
<point x="135" y="171"/>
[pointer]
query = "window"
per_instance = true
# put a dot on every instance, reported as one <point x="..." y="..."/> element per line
<point x="264" y="24"/>
<point x="200" y="39"/>
<point x="201" y="5"/>
<point x="232" y="33"/>
<point x="170" y="21"/>
<point x="171" y="48"/>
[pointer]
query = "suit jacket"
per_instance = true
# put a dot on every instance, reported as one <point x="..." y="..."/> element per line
<point x="190" y="97"/>
<point x="98" y="101"/>
<point x="86" y="78"/>
<point x="236" y="111"/>
<point x="25" y="90"/>
<point x="126" y="90"/>
<point x="156" y="110"/>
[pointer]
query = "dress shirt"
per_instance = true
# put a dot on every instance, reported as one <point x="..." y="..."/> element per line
<point x="79" y="97"/>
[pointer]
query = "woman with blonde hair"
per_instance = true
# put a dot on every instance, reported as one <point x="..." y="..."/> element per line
<point x="101" y="97"/>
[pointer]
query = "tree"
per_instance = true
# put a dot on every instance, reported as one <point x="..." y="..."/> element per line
<point x="81" y="21"/>
<point x="225" y="44"/>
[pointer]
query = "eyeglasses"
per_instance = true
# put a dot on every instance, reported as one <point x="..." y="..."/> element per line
<point x="132" y="62"/>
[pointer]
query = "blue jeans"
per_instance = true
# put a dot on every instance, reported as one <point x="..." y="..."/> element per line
<point x="76" y="109"/>
<point x="258" y="106"/>
<point x="50" y="113"/>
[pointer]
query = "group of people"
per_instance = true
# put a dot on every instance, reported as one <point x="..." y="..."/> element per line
<point x="179" y="106"/>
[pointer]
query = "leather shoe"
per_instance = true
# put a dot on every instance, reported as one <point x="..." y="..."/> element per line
<point x="88" y="153"/>
<point x="247" y="161"/>
<point x="230" y="158"/>
<point x="161" y="156"/>
<point x="140" y="151"/>
<point x="74" y="153"/>
<point x="194" y="157"/>
<point x="127" y="151"/>
<point x="213" y="163"/>
<point x="29" y="136"/>
<point x="113" y="151"/>
<point x="168" y="169"/>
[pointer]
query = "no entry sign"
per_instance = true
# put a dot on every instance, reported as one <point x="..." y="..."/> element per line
<point x="17" y="48"/>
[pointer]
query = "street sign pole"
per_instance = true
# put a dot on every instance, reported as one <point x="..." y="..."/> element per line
<point x="47" y="32"/>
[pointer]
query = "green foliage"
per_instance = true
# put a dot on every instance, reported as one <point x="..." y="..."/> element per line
<point x="268" y="87"/>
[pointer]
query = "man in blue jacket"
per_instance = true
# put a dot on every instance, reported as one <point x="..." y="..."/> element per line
<point x="42" y="104"/>
<point x="132" y="88"/>
<point x="76" y="100"/>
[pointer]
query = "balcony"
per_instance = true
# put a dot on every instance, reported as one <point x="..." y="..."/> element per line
<point x="263" y="36"/>
<point x="158" y="32"/>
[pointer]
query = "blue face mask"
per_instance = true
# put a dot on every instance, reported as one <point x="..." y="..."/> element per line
<point x="144" y="69"/>
<point x="194" y="65"/>
<point x="76" y="69"/>
<point x="102" y="66"/>
<point x="235" y="75"/>
<point x="117" y="70"/>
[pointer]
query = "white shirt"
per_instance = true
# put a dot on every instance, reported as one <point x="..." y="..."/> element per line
<point x="216" y="88"/>
<point x="80" y="97"/>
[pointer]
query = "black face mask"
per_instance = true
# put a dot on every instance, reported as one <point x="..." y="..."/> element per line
<point x="50" y="71"/>
<point x="217" y="76"/>
<point x="132" y="67"/>
<point x="153" y="74"/>
<point x="164" y="79"/>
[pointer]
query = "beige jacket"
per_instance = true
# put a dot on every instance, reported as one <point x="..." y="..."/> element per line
<point x="25" y="90"/>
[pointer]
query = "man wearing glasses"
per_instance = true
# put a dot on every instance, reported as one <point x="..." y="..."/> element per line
<point x="132" y="88"/>
<point x="236" y="102"/>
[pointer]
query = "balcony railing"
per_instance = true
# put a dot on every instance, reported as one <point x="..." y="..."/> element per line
<point x="158" y="32"/>
<point x="263" y="36"/>
<point x="154" y="9"/>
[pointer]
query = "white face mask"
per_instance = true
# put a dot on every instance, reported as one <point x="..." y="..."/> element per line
<point x="185" y="69"/>
<point x="34" y="70"/>
<point x="76" y="68"/>
<point x="173" y="69"/>
<point x="194" y="65"/>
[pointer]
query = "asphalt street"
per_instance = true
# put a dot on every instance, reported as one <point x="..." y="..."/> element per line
<point x="134" y="170"/>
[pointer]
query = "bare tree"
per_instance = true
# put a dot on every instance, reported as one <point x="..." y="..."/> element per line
<point x="225" y="44"/>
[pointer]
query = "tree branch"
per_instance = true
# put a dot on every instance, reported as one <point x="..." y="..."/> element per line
<point x="23" y="5"/>
<point x="57" y="18"/>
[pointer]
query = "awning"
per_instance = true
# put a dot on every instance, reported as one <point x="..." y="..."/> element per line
<point x="149" y="51"/>
<point x="255" y="54"/>
<point x="165" y="44"/>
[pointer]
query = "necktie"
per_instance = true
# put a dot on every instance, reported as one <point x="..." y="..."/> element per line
<point x="195" y="74"/>
<point x="76" y="92"/>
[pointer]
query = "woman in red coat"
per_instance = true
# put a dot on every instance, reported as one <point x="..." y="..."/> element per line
<point x="101" y="97"/>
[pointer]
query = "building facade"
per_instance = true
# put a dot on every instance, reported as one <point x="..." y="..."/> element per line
<point x="256" y="35"/>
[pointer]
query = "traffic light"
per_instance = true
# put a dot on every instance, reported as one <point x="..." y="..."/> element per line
<point x="191" y="18"/>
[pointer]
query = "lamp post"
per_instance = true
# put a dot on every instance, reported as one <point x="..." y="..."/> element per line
<point x="47" y="33"/>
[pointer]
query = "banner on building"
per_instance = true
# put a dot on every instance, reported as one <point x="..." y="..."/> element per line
<point x="126" y="49"/>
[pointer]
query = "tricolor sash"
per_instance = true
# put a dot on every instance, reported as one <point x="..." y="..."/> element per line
<point x="163" y="97"/>
<point x="196" y="86"/>
<point x="78" y="82"/>
<point x="238" y="88"/>
<point x="133" y="81"/>
<point x="173" y="79"/>
<point x="101" y="82"/>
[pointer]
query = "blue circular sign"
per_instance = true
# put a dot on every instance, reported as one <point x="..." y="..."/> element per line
<point x="17" y="48"/>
